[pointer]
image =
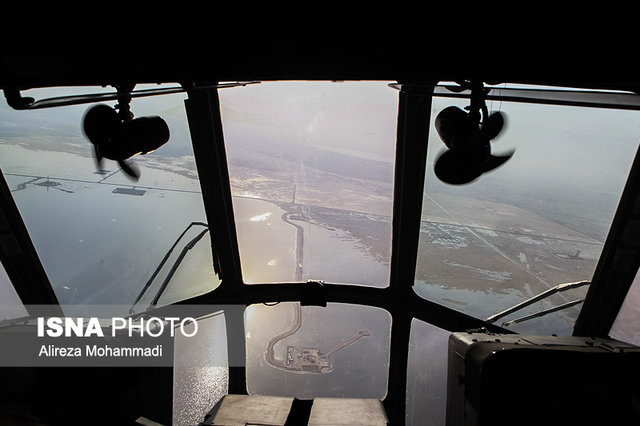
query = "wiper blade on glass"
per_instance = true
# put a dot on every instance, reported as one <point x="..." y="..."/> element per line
<point x="543" y="312"/>
<point x="543" y="295"/>
<point x="185" y="249"/>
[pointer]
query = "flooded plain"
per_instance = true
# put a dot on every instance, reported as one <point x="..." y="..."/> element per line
<point x="484" y="263"/>
<point x="311" y="172"/>
<point x="311" y="175"/>
<point x="117" y="232"/>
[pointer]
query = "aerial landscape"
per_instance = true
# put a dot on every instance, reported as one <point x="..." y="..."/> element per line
<point x="311" y="173"/>
<point x="311" y="169"/>
<point x="535" y="223"/>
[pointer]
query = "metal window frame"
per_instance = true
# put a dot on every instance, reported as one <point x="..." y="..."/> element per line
<point x="398" y="299"/>
<point x="604" y="298"/>
<point x="19" y="256"/>
<point x="618" y="264"/>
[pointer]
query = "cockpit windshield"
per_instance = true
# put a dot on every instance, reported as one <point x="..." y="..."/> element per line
<point x="538" y="221"/>
<point x="311" y="166"/>
<point x="99" y="234"/>
<point x="311" y="169"/>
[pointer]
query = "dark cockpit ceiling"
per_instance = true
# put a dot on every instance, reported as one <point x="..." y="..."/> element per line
<point x="194" y="61"/>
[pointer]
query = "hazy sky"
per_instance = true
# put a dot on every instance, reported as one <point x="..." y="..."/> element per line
<point x="357" y="118"/>
<point x="577" y="146"/>
<point x="589" y="146"/>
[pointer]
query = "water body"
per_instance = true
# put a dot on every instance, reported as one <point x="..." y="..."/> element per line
<point x="101" y="238"/>
<point x="266" y="242"/>
<point x="282" y="242"/>
<point x="337" y="255"/>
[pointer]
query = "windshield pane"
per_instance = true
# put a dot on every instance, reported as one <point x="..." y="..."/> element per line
<point x="537" y="221"/>
<point x="100" y="235"/>
<point x="427" y="375"/>
<point x="626" y="326"/>
<point x="307" y="352"/>
<point x="11" y="306"/>
<point x="311" y="170"/>
<point x="200" y="371"/>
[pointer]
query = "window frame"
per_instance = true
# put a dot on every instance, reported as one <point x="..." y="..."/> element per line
<point x="605" y="296"/>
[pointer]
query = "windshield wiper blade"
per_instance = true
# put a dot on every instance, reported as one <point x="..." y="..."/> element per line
<point x="177" y="263"/>
<point x="543" y="312"/>
<point x="187" y="247"/>
<point x="543" y="295"/>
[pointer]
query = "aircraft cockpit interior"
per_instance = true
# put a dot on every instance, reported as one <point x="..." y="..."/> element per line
<point x="316" y="237"/>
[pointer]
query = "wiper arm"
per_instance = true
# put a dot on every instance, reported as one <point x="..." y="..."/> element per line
<point x="544" y="294"/>
<point x="177" y="263"/>
<point x="173" y="269"/>
<point x="543" y="312"/>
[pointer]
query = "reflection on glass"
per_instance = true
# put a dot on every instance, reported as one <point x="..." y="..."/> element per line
<point x="11" y="306"/>
<point x="538" y="221"/>
<point x="626" y="327"/>
<point x="427" y="375"/>
<point x="308" y="352"/>
<point x="200" y="373"/>
<point x="100" y="235"/>
<point x="311" y="170"/>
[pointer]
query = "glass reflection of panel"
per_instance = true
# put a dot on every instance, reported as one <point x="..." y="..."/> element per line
<point x="100" y="235"/>
<point x="626" y="327"/>
<point x="538" y="221"/>
<point x="200" y="373"/>
<point x="311" y="166"/>
<point x="11" y="306"/>
<point x="427" y="375"/>
<point x="308" y="352"/>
